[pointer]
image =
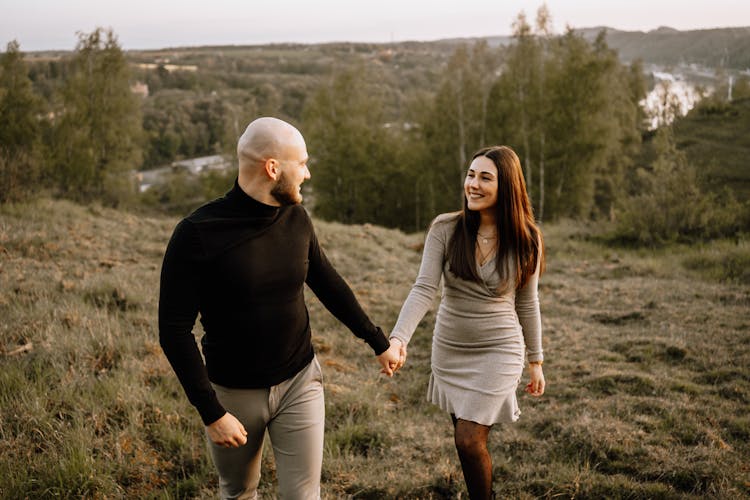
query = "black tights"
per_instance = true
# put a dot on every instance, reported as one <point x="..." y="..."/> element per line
<point x="476" y="463"/>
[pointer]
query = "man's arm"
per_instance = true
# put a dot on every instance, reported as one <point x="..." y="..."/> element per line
<point x="178" y="309"/>
<point x="337" y="297"/>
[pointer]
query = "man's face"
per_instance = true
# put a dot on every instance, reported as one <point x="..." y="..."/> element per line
<point x="293" y="172"/>
<point x="285" y="192"/>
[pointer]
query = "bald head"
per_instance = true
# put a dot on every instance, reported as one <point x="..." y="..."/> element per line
<point x="272" y="162"/>
<point x="266" y="138"/>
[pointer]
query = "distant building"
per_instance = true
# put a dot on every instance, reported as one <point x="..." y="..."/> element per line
<point x="202" y="164"/>
<point x="191" y="166"/>
<point x="140" y="89"/>
<point x="169" y="67"/>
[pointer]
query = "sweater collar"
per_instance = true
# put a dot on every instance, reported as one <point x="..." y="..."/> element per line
<point x="240" y="201"/>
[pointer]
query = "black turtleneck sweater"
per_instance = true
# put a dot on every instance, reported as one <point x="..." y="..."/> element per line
<point x="243" y="265"/>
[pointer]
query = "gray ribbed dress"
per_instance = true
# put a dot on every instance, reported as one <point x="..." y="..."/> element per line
<point x="479" y="337"/>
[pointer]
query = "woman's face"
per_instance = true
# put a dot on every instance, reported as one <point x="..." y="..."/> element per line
<point x="480" y="186"/>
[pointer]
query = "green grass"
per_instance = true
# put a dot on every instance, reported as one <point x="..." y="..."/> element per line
<point x="647" y="355"/>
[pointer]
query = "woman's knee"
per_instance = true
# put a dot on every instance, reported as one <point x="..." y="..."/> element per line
<point x="469" y="444"/>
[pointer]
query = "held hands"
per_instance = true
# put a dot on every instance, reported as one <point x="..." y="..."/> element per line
<point x="227" y="432"/>
<point x="536" y="386"/>
<point x="393" y="358"/>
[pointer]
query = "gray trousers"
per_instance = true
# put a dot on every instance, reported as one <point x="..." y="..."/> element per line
<point x="293" y="412"/>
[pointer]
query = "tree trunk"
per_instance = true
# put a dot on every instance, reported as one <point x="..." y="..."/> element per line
<point x="541" y="177"/>
<point x="461" y="132"/>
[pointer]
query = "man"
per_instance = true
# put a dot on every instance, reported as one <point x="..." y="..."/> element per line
<point x="242" y="261"/>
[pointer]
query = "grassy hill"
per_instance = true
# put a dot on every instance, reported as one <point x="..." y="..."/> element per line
<point x="716" y="139"/>
<point x="647" y="355"/>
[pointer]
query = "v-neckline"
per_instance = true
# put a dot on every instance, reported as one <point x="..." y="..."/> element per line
<point x="490" y="258"/>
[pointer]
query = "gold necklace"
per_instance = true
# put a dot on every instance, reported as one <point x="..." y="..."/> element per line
<point x="485" y="239"/>
<point x="484" y="257"/>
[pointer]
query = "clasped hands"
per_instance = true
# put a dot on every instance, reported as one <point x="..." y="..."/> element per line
<point x="393" y="358"/>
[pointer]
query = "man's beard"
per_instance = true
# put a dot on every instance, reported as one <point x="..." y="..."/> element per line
<point x="285" y="193"/>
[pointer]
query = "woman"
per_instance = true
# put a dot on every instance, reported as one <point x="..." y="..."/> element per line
<point x="490" y="255"/>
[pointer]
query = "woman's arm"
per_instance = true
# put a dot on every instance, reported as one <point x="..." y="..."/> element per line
<point x="426" y="285"/>
<point x="529" y="315"/>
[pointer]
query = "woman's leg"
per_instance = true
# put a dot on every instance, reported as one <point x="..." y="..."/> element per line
<point x="476" y="463"/>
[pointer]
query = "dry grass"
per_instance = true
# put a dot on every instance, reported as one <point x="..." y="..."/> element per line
<point x="647" y="366"/>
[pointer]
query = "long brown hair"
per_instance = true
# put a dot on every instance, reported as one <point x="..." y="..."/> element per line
<point x="519" y="238"/>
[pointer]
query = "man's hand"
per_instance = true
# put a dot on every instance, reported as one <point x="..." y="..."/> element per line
<point x="392" y="359"/>
<point x="227" y="432"/>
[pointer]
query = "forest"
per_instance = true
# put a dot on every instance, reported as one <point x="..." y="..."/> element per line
<point x="389" y="127"/>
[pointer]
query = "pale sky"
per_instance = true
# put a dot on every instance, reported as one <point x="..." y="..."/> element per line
<point x="140" y="24"/>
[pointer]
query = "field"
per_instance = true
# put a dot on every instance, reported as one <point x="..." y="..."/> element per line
<point x="647" y="356"/>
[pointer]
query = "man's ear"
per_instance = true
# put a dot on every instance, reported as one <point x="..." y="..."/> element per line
<point x="271" y="167"/>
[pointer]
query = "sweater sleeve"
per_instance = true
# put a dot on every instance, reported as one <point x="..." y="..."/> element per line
<point x="529" y="315"/>
<point x="338" y="298"/>
<point x="425" y="288"/>
<point x="178" y="309"/>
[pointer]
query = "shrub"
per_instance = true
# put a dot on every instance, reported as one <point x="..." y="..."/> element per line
<point x="669" y="206"/>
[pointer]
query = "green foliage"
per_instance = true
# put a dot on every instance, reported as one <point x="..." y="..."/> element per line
<point x="714" y="137"/>
<point x="20" y="128"/>
<point x="362" y="169"/>
<point x="519" y="96"/>
<point x="97" y="137"/>
<point x="417" y="111"/>
<point x="570" y="109"/>
<point x="179" y="124"/>
<point x="456" y="123"/>
<point x="181" y="193"/>
<point x="668" y="204"/>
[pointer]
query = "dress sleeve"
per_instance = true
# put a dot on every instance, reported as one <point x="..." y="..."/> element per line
<point x="178" y="309"/>
<point x="425" y="287"/>
<point x="529" y="315"/>
<point x="339" y="299"/>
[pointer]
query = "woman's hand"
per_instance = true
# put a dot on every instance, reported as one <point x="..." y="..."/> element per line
<point x="401" y="354"/>
<point x="536" y="386"/>
<point x="394" y="358"/>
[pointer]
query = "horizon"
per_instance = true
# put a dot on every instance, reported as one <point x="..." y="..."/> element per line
<point x="146" y="26"/>
<point x="435" y="40"/>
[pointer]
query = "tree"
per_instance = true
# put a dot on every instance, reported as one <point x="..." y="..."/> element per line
<point x="589" y="125"/>
<point x="457" y="123"/>
<point x="19" y="127"/>
<point x="518" y="97"/>
<point x="361" y="167"/>
<point x="98" y="136"/>
<point x="667" y="204"/>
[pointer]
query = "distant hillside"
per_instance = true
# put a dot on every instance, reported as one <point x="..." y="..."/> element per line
<point x="720" y="47"/>
<point x="717" y="47"/>
<point x="713" y="48"/>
